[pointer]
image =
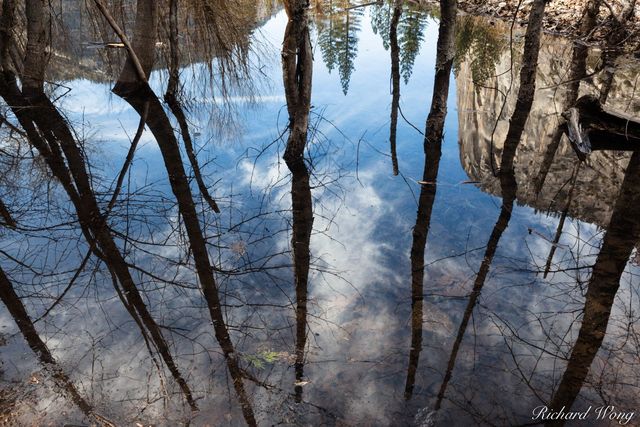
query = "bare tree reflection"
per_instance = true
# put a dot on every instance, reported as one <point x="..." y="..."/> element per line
<point x="19" y="313"/>
<point x="507" y="178"/>
<point x="297" y="73"/>
<point x="133" y="87"/>
<point x="508" y="185"/>
<point x="395" y="81"/>
<point x="433" y="151"/>
<point x="618" y="244"/>
<point x="172" y="96"/>
<point x="52" y="136"/>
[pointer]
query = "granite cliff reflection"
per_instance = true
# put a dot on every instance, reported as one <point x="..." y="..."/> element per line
<point x="547" y="161"/>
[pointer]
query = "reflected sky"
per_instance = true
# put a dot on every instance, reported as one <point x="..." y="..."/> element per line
<point x="523" y="327"/>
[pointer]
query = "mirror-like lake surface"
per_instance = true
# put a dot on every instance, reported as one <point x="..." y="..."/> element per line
<point x="349" y="284"/>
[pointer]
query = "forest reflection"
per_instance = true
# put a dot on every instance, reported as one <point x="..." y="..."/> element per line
<point x="329" y="261"/>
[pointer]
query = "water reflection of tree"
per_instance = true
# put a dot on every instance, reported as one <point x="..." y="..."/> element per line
<point x="395" y="81"/>
<point x="401" y="27"/>
<point x="410" y="23"/>
<point x="63" y="154"/>
<point x="133" y="87"/>
<point x="338" y="27"/>
<point x="49" y="132"/>
<point x="618" y="244"/>
<point x="507" y="180"/>
<point x="16" y="308"/>
<point x="482" y="43"/>
<point x="297" y="73"/>
<point x="433" y="151"/>
<point x="172" y="97"/>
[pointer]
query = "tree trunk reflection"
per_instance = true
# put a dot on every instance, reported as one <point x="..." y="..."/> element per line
<point x="618" y="243"/>
<point x="19" y="313"/>
<point x="297" y="73"/>
<point x="141" y="97"/>
<point x="172" y="98"/>
<point x="507" y="179"/>
<point x="433" y="151"/>
<point x="51" y="134"/>
<point x="395" y="81"/>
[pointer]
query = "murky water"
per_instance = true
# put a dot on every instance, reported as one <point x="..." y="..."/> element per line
<point x="352" y="287"/>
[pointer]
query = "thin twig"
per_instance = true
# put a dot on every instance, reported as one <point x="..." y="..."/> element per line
<point x="114" y="25"/>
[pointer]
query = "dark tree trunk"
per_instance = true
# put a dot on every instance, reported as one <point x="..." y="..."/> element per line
<point x="144" y="44"/>
<point x="300" y="242"/>
<point x="6" y="216"/>
<point x="297" y="70"/>
<point x="527" y="88"/>
<point x="50" y="133"/>
<point x="141" y="97"/>
<point x="395" y="81"/>
<point x="38" y="39"/>
<point x="19" y="313"/>
<point x="508" y="185"/>
<point x="433" y="152"/>
<point x="507" y="179"/>
<point x="618" y="243"/>
<point x="171" y="97"/>
<point x="444" y="62"/>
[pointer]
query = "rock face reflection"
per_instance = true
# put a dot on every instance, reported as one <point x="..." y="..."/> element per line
<point x="478" y="112"/>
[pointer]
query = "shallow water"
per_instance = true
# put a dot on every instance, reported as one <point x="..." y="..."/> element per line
<point x="490" y="336"/>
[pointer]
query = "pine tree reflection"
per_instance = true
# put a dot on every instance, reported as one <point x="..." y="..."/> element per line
<point x="338" y="37"/>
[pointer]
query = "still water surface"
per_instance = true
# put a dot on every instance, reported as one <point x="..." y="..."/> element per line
<point x="489" y="334"/>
